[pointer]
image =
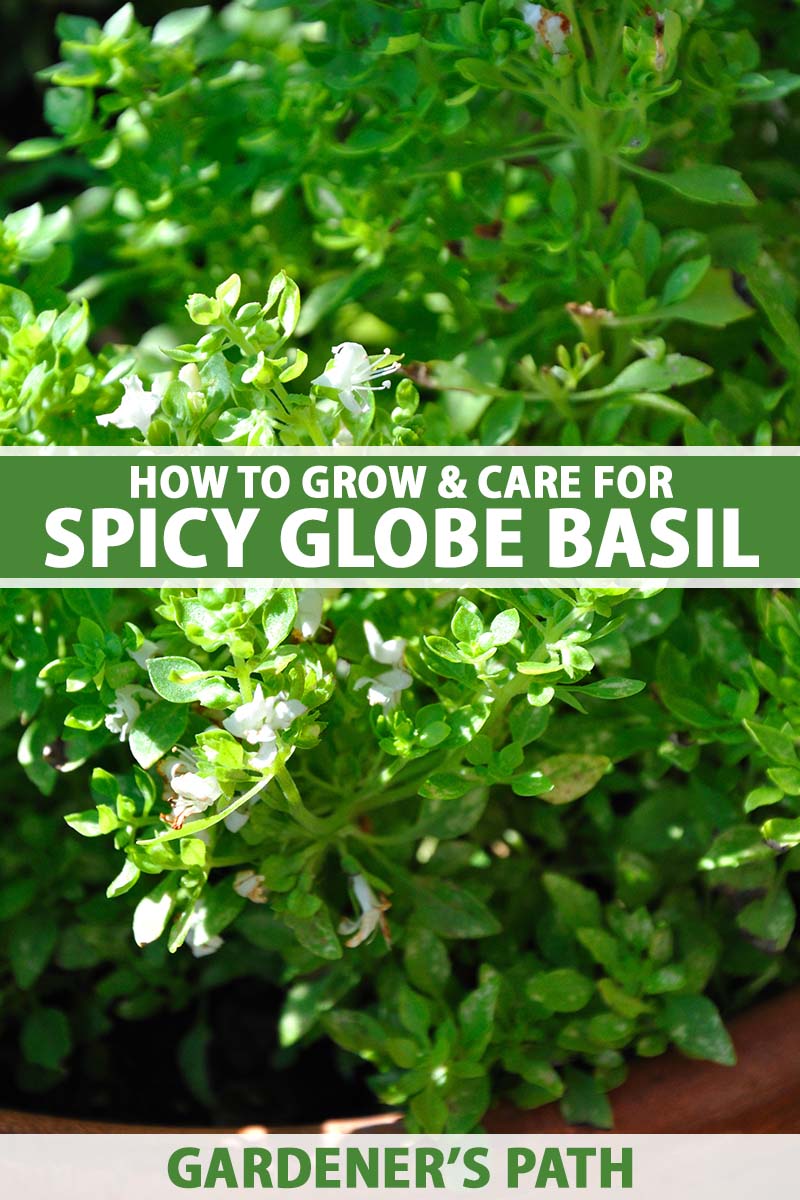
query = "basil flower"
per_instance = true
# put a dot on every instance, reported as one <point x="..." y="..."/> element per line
<point x="309" y="611"/>
<point x="125" y="711"/>
<point x="389" y="652"/>
<point x="198" y="939"/>
<point x="351" y="373"/>
<point x="188" y="793"/>
<point x="136" y="409"/>
<point x="385" y="689"/>
<point x="258" y="722"/>
<point x="251" y="886"/>
<point x="551" y="28"/>
<point x="371" y="916"/>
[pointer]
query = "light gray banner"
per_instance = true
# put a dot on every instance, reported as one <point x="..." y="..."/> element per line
<point x="596" y="1166"/>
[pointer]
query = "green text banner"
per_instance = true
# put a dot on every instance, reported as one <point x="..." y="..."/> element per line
<point x="393" y="517"/>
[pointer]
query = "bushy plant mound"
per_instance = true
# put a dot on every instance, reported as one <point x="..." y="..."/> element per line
<point x="495" y="843"/>
<point x="539" y="210"/>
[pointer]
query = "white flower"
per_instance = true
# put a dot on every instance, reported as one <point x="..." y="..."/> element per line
<point x="389" y="653"/>
<point x="136" y="409"/>
<point x="310" y="602"/>
<point x="190" y="375"/>
<point x="125" y="711"/>
<point x="236" y="820"/>
<point x="351" y="373"/>
<point x="551" y="28"/>
<point x="198" y="939"/>
<point x="342" y="437"/>
<point x="147" y="650"/>
<point x="387" y="688"/>
<point x="309" y="611"/>
<point x="259" y="721"/>
<point x="264" y="756"/>
<point x="251" y="886"/>
<point x="371" y="916"/>
<point x="188" y="793"/>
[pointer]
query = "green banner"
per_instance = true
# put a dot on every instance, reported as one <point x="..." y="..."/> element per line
<point x="327" y="516"/>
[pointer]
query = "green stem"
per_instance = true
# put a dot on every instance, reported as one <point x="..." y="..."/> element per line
<point x="243" y="677"/>
<point x="315" y="825"/>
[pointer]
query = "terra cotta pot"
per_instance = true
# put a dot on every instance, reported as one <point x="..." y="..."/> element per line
<point x="671" y="1094"/>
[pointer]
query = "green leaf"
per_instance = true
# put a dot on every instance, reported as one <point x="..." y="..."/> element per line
<point x="355" y="1031"/>
<point x="761" y="87"/>
<point x="760" y="797"/>
<point x="714" y="302"/>
<point x="776" y="743"/>
<point x="181" y="681"/>
<point x="450" y="818"/>
<point x="426" y="961"/>
<point x="453" y="911"/>
<point x="30" y="946"/>
<point x="769" y="922"/>
<point x="445" y="785"/>
<point x="476" y="1016"/>
<point x="584" y="1102"/>
<point x="572" y="775"/>
<point x="562" y="990"/>
<point x="34" y="149"/>
<point x="46" y="1038"/>
<point x="577" y="906"/>
<point x="316" y="933"/>
<point x="766" y="291"/>
<point x="532" y="783"/>
<point x="176" y="26"/>
<point x="780" y="832"/>
<point x="695" y="1026"/>
<point x="505" y="627"/>
<point x="124" y="881"/>
<point x="279" y="617"/>
<point x="155" y="731"/>
<point x="467" y="623"/>
<point x="613" y="688"/>
<point x="710" y="183"/>
<point x="86" y="823"/>
<point x="684" y="279"/>
<point x="658" y="375"/>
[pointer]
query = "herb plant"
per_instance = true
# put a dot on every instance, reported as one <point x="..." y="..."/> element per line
<point x="494" y="843"/>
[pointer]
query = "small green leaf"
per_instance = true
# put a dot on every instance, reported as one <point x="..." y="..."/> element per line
<point x="577" y="906"/>
<point x="613" y="688"/>
<point x="176" y="26"/>
<point x="572" y="775"/>
<point x="776" y="743"/>
<point x="562" y="990"/>
<point x="658" y="375"/>
<point x="453" y="911"/>
<point x="124" y="881"/>
<point x="46" y="1038"/>
<point x="155" y="731"/>
<point x="30" y="946"/>
<point x="710" y="183"/>
<point x="695" y="1026"/>
<point x="769" y="922"/>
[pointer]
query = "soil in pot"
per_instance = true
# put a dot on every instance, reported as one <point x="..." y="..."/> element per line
<point x="133" y="1075"/>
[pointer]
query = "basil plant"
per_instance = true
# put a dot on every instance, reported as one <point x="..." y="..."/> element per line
<point x="484" y="843"/>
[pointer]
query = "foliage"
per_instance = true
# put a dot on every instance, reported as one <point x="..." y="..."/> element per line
<point x="496" y="844"/>
<point x="521" y="220"/>
<point x="491" y="842"/>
